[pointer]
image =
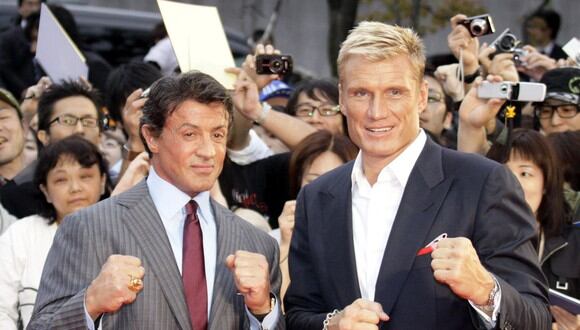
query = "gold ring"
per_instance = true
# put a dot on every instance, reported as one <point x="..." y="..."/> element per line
<point x="135" y="284"/>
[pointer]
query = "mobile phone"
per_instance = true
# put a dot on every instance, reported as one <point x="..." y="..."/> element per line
<point x="513" y="91"/>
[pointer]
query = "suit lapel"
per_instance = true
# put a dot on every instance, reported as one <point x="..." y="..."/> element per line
<point x="142" y="220"/>
<point x="336" y="232"/>
<point x="422" y="198"/>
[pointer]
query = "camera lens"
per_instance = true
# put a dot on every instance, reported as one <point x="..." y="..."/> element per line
<point x="507" y="43"/>
<point x="478" y="27"/>
<point x="504" y="88"/>
<point x="276" y="66"/>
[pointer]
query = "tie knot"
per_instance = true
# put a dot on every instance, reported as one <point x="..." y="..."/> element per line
<point x="191" y="208"/>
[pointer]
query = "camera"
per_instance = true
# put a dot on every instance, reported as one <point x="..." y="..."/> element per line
<point x="479" y="25"/>
<point x="507" y="42"/>
<point x="274" y="64"/>
<point x="513" y="91"/>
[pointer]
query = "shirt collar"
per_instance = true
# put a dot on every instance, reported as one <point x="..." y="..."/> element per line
<point x="400" y="167"/>
<point x="169" y="200"/>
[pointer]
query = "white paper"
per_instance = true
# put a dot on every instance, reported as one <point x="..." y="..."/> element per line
<point x="198" y="39"/>
<point x="56" y="52"/>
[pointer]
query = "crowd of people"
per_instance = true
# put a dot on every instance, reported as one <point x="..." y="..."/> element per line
<point x="394" y="197"/>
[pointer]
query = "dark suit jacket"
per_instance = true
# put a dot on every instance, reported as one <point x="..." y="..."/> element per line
<point x="129" y="224"/>
<point x="447" y="192"/>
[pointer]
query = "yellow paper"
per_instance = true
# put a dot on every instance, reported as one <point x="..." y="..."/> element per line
<point x="198" y="39"/>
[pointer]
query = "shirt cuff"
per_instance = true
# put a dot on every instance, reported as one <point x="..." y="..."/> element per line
<point x="269" y="321"/>
<point x="90" y="322"/>
<point x="257" y="149"/>
<point x="488" y="321"/>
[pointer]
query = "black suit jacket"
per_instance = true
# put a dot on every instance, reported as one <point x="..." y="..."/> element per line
<point x="447" y="192"/>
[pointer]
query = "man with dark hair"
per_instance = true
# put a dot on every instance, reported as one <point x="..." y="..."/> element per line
<point x="542" y="29"/>
<point x="63" y="110"/>
<point x="157" y="256"/>
<point x="124" y="101"/>
<point x="559" y="110"/>
<point x="25" y="9"/>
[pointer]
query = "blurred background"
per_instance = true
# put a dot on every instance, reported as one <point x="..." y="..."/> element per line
<point x="309" y="30"/>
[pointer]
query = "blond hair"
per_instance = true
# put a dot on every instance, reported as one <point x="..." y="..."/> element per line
<point x="378" y="41"/>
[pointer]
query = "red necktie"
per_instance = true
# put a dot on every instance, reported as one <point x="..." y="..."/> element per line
<point x="193" y="269"/>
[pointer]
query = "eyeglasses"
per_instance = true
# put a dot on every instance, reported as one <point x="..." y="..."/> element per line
<point x="70" y="120"/>
<point x="564" y="110"/>
<point x="325" y="110"/>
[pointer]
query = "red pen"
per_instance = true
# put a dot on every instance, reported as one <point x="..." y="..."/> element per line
<point x="431" y="246"/>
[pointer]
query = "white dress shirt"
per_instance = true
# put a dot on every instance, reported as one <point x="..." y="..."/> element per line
<point x="374" y="209"/>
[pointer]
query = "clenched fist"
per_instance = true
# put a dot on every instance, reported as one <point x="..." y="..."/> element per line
<point x="252" y="277"/>
<point x="110" y="290"/>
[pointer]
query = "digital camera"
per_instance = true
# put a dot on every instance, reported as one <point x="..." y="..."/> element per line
<point x="479" y="25"/>
<point x="273" y="64"/>
<point x="507" y="42"/>
<point x="513" y="91"/>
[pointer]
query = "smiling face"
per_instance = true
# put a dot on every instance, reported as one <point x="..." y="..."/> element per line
<point x="11" y="135"/>
<point x="190" y="151"/>
<point x="382" y="102"/>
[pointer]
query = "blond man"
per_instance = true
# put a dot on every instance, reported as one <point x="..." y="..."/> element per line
<point x="409" y="235"/>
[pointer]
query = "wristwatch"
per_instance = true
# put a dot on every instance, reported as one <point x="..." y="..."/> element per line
<point x="490" y="304"/>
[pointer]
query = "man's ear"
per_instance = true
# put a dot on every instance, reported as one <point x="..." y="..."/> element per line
<point x="45" y="193"/>
<point x="150" y="138"/>
<point x="43" y="137"/>
<point x="341" y="106"/>
<point x="423" y="95"/>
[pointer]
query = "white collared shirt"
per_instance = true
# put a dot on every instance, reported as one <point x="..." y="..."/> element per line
<point x="374" y="209"/>
<point x="170" y="204"/>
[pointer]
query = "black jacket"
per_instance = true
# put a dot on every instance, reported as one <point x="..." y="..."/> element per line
<point x="561" y="262"/>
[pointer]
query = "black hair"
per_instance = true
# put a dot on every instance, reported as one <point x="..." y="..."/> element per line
<point x="313" y="146"/>
<point x="32" y="23"/>
<point x="169" y="92"/>
<point x="551" y="18"/>
<point x="313" y="89"/>
<point x="528" y="144"/>
<point x="77" y="149"/>
<point x="566" y="145"/>
<point x="123" y="81"/>
<point x="57" y="92"/>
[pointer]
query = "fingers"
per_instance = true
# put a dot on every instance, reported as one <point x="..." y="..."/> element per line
<point x="362" y="314"/>
<point x="455" y="20"/>
<point x="134" y="96"/>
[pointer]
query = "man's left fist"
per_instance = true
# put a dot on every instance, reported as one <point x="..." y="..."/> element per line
<point x="252" y="277"/>
<point x="455" y="263"/>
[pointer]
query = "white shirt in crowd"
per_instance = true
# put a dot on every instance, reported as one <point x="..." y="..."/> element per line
<point x="23" y="250"/>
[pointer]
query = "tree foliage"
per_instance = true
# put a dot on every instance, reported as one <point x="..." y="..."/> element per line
<point x="424" y="16"/>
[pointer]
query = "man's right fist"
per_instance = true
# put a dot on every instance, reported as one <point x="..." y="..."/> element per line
<point x="361" y="314"/>
<point x="112" y="288"/>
